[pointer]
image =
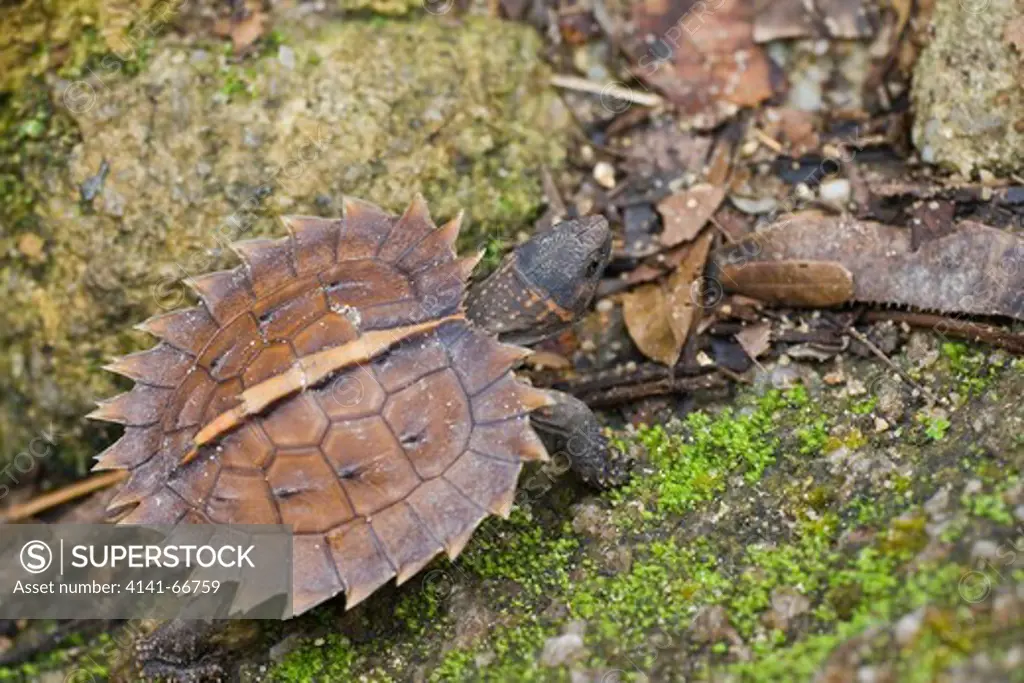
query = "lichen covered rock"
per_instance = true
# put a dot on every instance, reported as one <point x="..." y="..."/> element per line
<point x="969" y="88"/>
<point x="196" y="152"/>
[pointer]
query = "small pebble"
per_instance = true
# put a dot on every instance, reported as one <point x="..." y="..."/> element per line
<point x="836" y="191"/>
<point x="937" y="504"/>
<point x="909" y="626"/>
<point x="286" y="56"/>
<point x="869" y="674"/>
<point x="856" y="388"/>
<point x="835" y="377"/>
<point x="604" y="174"/>
<point x="562" y="650"/>
<point x="984" y="550"/>
<point x="881" y="425"/>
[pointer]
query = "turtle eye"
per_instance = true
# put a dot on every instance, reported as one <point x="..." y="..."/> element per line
<point x="593" y="267"/>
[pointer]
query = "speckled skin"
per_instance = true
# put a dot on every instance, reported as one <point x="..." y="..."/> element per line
<point x="545" y="284"/>
<point x="538" y="290"/>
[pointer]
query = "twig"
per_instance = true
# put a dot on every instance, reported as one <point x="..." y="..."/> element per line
<point x="722" y="231"/>
<point x="669" y="385"/>
<point x="610" y="387"/>
<point x="954" y="327"/>
<point x="610" y="89"/>
<point x="16" y="513"/>
<point x="768" y="141"/>
<point x="885" y="359"/>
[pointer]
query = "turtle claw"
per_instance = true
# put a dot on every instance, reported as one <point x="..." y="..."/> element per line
<point x="181" y="651"/>
<point x="568" y="426"/>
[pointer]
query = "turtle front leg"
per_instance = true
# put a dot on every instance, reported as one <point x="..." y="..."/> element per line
<point x="570" y="427"/>
<point x="180" y="650"/>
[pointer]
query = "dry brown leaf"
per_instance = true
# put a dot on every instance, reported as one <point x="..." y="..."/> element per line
<point x="646" y="314"/>
<point x="815" y="284"/>
<point x="796" y="129"/>
<point x="755" y="340"/>
<point x="685" y="212"/>
<point x="680" y="286"/>
<point x="974" y="269"/>
<point x="715" y="67"/>
<point x="659" y="316"/>
<point x="652" y="268"/>
<point x="243" y="32"/>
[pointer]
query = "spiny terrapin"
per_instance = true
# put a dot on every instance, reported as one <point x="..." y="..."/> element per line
<point x="341" y="380"/>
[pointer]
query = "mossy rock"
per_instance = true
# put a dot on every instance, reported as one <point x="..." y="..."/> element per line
<point x="195" y="152"/>
<point x="40" y="35"/>
<point x="968" y="89"/>
<point x="394" y="8"/>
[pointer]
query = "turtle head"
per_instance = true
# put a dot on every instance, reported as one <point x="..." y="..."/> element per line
<point x="545" y="284"/>
<point x="566" y="262"/>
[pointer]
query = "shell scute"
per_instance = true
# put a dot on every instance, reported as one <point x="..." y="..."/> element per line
<point x="365" y="226"/>
<point x="359" y="559"/>
<point x="432" y="421"/>
<point x="232" y="349"/>
<point x="314" y="575"/>
<point x="189" y="329"/>
<point x="405" y="540"/>
<point x="296" y="421"/>
<point x="289" y="310"/>
<point x="273" y="359"/>
<point x="268" y="262"/>
<point x="241" y="495"/>
<point x="225" y="293"/>
<point x="364" y="283"/>
<point x="371" y="483"/>
<point x="247" y="447"/>
<point x="139" y="407"/>
<point x="351" y="394"/>
<point x="446" y="512"/>
<point x="409" y="363"/>
<point x="161" y="366"/>
<point x="307" y="491"/>
<point x="488" y="482"/>
<point x="135" y="446"/>
<point x="189" y="403"/>
<point x="436" y="248"/>
<point x="315" y="241"/>
<point x="407" y="232"/>
<point x="381" y="461"/>
<point x="330" y="329"/>
<point x="194" y="482"/>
